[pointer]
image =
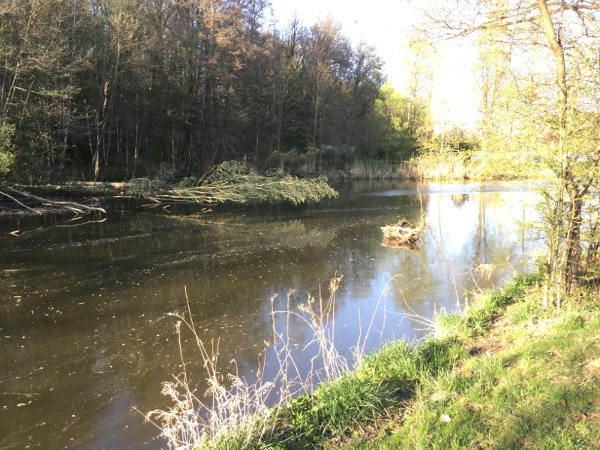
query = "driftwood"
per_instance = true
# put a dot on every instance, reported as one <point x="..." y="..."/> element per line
<point x="394" y="243"/>
<point x="402" y="234"/>
<point x="20" y="203"/>
<point x="21" y="197"/>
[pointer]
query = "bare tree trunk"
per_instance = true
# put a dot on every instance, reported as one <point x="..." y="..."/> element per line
<point x="63" y="154"/>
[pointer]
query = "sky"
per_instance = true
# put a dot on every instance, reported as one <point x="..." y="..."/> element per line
<point x="387" y="25"/>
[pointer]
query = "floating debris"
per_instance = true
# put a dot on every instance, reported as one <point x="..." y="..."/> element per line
<point x="402" y="234"/>
<point x="393" y="243"/>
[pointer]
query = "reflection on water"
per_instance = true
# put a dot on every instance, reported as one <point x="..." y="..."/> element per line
<point x="84" y="334"/>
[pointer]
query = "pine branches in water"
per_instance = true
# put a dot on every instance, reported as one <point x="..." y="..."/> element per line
<point x="233" y="181"/>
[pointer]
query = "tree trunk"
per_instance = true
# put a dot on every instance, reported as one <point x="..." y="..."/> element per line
<point x="573" y="241"/>
<point x="572" y="250"/>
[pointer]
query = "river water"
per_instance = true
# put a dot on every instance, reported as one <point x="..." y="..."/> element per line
<point x="85" y="334"/>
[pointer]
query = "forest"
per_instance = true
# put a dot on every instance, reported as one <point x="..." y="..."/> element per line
<point x="118" y="89"/>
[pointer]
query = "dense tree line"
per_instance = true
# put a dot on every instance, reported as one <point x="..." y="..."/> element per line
<point x="114" y="89"/>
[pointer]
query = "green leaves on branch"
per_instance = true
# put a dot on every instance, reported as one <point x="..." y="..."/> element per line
<point x="7" y="157"/>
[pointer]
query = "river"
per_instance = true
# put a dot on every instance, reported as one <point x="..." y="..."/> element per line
<point x="85" y="334"/>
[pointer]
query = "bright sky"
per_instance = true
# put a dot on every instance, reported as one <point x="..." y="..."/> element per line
<point x="386" y="25"/>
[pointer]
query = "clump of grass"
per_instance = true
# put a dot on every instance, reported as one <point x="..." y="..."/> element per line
<point x="404" y="365"/>
<point x="480" y="315"/>
<point x="332" y="410"/>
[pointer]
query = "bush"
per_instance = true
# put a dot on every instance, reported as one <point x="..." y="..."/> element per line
<point x="7" y="157"/>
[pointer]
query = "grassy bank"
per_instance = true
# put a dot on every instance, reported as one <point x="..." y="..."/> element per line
<point x="531" y="381"/>
<point x="385" y="382"/>
<point x="506" y="373"/>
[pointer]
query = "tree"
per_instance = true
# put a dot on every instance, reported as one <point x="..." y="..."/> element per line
<point x="421" y="66"/>
<point x="114" y="89"/>
<point x="563" y="127"/>
<point x="395" y="136"/>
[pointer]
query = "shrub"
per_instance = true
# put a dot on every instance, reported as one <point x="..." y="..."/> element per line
<point x="7" y="157"/>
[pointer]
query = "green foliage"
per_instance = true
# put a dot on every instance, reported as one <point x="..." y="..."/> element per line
<point x="397" y="363"/>
<point x="438" y="355"/>
<point x="520" y="313"/>
<point x="403" y="366"/>
<point x="395" y="118"/>
<point x="334" y="408"/>
<point x="7" y="156"/>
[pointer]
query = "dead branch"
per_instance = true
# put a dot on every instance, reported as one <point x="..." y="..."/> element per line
<point x="77" y="208"/>
<point x="19" y="203"/>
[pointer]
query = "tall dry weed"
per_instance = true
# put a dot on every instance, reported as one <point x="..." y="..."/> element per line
<point x="234" y="412"/>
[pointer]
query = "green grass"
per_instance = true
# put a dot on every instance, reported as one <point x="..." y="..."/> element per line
<point x="484" y="311"/>
<point x="382" y="383"/>
<point x="539" y="391"/>
<point x="505" y="374"/>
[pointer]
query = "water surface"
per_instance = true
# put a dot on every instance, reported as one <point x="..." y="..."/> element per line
<point x="85" y="334"/>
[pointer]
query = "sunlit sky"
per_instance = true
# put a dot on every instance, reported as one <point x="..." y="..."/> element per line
<point x="387" y="25"/>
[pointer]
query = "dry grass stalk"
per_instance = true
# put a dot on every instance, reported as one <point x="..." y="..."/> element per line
<point x="485" y="270"/>
<point x="231" y="406"/>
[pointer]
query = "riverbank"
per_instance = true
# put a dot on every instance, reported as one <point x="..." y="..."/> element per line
<point x="237" y="183"/>
<point x="437" y="166"/>
<point x="505" y="373"/>
<point x="531" y="381"/>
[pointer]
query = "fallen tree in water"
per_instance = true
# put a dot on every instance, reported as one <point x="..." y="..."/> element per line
<point x="38" y="205"/>
<point x="234" y="182"/>
<point x="230" y="181"/>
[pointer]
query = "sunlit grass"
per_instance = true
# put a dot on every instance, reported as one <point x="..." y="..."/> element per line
<point x="540" y="390"/>
<point x="507" y="373"/>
